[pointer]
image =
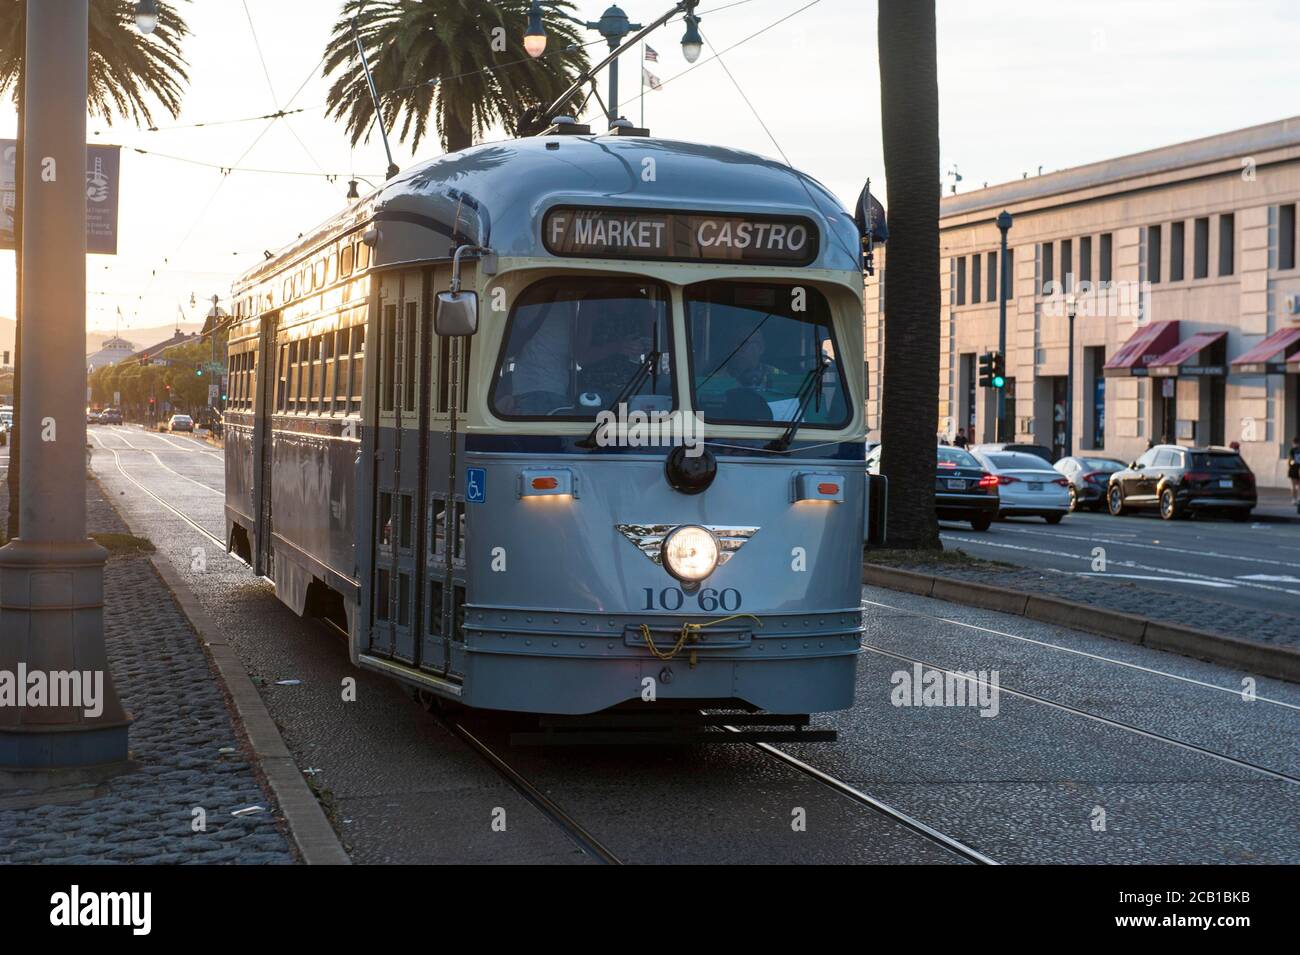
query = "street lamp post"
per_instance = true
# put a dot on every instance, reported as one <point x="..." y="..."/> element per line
<point x="613" y="25"/>
<point x="1070" y="309"/>
<point x="1004" y="226"/>
<point x="51" y="574"/>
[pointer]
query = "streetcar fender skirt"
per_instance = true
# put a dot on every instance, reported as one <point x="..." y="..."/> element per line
<point x="553" y="684"/>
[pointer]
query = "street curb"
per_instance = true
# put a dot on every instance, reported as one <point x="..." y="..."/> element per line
<point x="1283" y="663"/>
<point x="312" y="833"/>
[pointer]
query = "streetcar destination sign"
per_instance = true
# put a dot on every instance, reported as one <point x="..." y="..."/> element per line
<point x="679" y="236"/>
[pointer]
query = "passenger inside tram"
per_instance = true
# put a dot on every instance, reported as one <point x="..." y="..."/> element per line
<point x="575" y="344"/>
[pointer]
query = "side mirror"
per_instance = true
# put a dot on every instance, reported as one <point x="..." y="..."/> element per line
<point x="1133" y="466"/>
<point x="455" y="313"/>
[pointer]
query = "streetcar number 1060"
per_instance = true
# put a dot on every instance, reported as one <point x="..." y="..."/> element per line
<point x="707" y="599"/>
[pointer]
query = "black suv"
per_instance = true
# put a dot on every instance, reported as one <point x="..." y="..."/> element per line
<point x="963" y="490"/>
<point x="1184" y="481"/>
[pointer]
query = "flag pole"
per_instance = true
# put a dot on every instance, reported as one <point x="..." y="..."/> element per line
<point x="643" y="84"/>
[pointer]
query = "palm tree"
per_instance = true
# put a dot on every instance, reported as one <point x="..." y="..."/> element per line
<point x="461" y="60"/>
<point x="909" y="107"/>
<point x="128" y="71"/>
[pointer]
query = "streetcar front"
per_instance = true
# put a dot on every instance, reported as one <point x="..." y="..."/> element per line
<point x="662" y="467"/>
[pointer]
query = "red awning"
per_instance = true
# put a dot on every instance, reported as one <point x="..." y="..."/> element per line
<point x="1186" y="358"/>
<point x="1269" y="354"/>
<point x="1147" y="343"/>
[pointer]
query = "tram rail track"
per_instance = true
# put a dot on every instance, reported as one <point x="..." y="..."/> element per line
<point x="1105" y="720"/>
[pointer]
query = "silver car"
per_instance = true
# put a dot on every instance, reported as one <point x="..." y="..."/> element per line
<point x="1027" y="485"/>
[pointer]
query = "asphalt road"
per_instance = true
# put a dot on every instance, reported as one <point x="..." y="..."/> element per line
<point x="1254" y="565"/>
<point x="1095" y="751"/>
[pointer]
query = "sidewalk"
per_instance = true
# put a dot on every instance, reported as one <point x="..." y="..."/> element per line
<point x="181" y="726"/>
<point x="1275" y="505"/>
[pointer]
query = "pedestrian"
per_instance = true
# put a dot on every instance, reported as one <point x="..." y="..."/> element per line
<point x="1293" y="469"/>
<point x="961" y="440"/>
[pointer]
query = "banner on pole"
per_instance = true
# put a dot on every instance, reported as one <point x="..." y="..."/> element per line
<point x="103" y="173"/>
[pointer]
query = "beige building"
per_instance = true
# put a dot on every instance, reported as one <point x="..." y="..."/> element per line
<point x="1180" y="266"/>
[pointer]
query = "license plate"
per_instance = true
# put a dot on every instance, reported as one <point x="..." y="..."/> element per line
<point x="1225" y="482"/>
<point x="1035" y="485"/>
<point x="956" y="484"/>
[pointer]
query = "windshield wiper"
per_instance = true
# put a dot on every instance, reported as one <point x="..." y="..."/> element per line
<point x="642" y="372"/>
<point x="807" y="388"/>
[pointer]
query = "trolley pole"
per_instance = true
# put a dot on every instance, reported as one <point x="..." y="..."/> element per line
<point x="1004" y="226"/>
<point x="51" y="575"/>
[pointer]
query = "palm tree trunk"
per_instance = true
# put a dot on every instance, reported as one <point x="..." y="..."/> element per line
<point x="15" y="459"/>
<point x="458" y="134"/>
<point x="909" y="106"/>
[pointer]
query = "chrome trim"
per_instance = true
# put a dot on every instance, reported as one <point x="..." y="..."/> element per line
<point x="649" y="538"/>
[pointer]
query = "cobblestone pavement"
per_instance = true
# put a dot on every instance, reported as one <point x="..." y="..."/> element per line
<point x="180" y="725"/>
<point x="1126" y="597"/>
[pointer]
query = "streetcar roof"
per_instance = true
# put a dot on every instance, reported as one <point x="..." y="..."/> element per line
<point x="496" y="194"/>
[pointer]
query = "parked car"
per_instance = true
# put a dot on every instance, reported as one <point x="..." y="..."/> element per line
<point x="110" y="416"/>
<point x="1038" y="450"/>
<point x="1184" y="481"/>
<point x="963" y="490"/>
<point x="1027" y="485"/>
<point x="92" y="416"/>
<point x="180" y="422"/>
<point x="1088" y="477"/>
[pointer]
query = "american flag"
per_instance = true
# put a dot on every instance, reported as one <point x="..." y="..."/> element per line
<point x="650" y="55"/>
<point x="649" y="79"/>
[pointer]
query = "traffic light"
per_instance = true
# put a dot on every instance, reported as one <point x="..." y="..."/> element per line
<point x="993" y="370"/>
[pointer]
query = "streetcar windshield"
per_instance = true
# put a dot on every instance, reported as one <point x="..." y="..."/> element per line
<point x="760" y="352"/>
<point x="574" y="345"/>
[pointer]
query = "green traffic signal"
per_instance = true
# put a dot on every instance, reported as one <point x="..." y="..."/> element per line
<point x="999" y="381"/>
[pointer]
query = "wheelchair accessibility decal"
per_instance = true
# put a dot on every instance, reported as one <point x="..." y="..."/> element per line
<point x="475" y="485"/>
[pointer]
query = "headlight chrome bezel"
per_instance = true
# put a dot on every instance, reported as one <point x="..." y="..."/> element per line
<point x="667" y="562"/>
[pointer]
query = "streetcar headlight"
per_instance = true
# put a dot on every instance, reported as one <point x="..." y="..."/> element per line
<point x="690" y="553"/>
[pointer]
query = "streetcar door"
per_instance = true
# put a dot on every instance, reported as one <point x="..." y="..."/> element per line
<point x="265" y="376"/>
<point x="443" y="643"/>
<point x="394" y="623"/>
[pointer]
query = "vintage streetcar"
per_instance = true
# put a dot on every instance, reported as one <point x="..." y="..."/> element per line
<point x="563" y="423"/>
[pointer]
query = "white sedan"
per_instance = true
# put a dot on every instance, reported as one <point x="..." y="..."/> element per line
<point x="1027" y="485"/>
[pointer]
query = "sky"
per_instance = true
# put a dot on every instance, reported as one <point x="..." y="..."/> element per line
<point x="1022" y="84"/>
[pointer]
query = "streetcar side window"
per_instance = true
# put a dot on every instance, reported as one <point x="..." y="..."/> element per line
<point x="388" y="364"/>
<point x="358" y="365"/>
<point x="292" y="403"/>
<point x="282" y="393"/>
<point x="761" y="352"/>
<point x="409" y="340"/>
<point x="575" y="345"/>
<point x="343" y="366"/>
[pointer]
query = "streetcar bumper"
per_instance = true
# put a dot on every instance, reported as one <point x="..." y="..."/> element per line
<point x="790" y="664"/>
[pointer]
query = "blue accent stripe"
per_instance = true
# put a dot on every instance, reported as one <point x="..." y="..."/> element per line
<point x="550" y="444"/>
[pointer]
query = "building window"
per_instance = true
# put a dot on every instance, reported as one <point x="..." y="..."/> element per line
<point x="1201" y="248"/>
<point x="975" y="279"/>
<point x="1227" y="241"/>
<point x="961" y="280"/>
<point x="993" y="277"/>
<point x="1104" y="258"/>
<point x="1067" y="264"/>
<point x="1009" y="274"/>
<point x="1286" y="236"/>
<point x="1047" y="267"/>
<point x="1094" y="361"/>
<point x="1153" y="254"/>
<point x="1085" y="258"/>
<point x="1176" y="234"/>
